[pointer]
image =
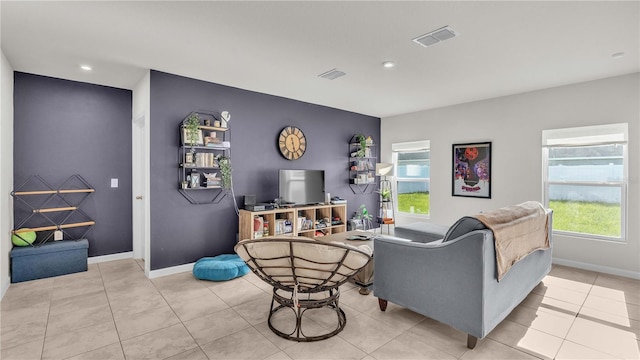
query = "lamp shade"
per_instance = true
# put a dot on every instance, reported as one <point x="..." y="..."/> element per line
<point x="384" y="169"/>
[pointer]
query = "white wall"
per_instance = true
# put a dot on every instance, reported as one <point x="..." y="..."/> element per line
<point x="514" y="124"/>
<point x="6" y="169"/>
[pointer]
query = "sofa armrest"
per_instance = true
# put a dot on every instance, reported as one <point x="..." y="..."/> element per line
<point x="444" y="281"/>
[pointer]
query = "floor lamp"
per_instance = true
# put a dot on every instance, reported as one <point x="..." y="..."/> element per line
<point x="385" y="213"/>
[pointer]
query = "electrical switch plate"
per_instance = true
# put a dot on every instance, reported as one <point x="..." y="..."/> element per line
<point x="57" y="235"/>
<point x="114" y="183"/>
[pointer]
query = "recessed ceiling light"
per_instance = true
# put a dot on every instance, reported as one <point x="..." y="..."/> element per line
<point x="388" y="64"/>
<point x="85" y="67"/>
<point x="618" y="55"/>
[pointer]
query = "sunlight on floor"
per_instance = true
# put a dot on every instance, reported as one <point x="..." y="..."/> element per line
<point x="539" y="343"/>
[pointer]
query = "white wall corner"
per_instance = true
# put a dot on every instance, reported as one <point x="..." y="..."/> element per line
<point x="6" y="169"/>
<point x="140" y="135"/>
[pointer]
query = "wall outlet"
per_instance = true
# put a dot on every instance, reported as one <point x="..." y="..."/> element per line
<point x="57" y="235"/>
<point x="114" y="183"/>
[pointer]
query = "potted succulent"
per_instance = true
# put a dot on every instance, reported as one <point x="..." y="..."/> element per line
<point x="385" y="194"/>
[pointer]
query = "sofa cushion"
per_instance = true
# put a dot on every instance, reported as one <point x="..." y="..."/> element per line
<point x="421" y="231"/>
<point x="464" y="225"/>
<point x="311" y="262"/>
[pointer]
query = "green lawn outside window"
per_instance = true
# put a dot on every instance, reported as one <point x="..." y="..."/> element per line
<point x="594" y="218"/>
<point x="418" y="200"/>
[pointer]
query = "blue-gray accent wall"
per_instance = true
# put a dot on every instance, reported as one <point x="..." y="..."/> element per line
<point x="181" y="232"/>
<point x="62" y="128"/>
<point x="65" y="127"/>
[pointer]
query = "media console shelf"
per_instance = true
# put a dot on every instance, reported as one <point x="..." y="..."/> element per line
<point x="309" y="221"/>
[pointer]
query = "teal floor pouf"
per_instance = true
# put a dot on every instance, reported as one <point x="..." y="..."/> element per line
<point x="220" y="268"/>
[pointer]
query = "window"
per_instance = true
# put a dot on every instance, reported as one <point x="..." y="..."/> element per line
<point x="585" y="179"/>
<point x="412" y="169"/>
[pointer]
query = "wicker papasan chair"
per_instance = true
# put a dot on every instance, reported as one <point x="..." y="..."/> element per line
<point x="305" y="274"/>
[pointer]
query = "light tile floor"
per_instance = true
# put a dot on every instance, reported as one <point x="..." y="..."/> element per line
<point x="113" y="311"/>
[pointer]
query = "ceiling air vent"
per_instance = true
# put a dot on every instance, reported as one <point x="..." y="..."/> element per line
<point x="435" y="36"/>
<point x="332" y="74"/>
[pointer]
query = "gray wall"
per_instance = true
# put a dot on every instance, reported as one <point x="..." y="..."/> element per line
<point x="62" y="128"/>
<point x="181" y="232"/>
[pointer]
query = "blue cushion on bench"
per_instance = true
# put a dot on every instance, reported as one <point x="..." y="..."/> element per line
<point x="220" y="268"/>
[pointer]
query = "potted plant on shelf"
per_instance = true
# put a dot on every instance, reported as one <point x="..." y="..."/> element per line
<point x="362" y="140"/>
<point x="192" y="127"/>
<point x="385" y="194"/>
<point x="363" y="214"/>
<point x="224" y="163"/>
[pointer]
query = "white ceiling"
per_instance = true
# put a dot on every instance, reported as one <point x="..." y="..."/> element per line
<point x="279" y="48"/>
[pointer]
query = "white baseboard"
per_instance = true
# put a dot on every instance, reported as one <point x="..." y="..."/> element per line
<point x="598" y="268"/>
<point x="152" y="274"/>
<point x="111" y="257"/>
<point x="170" y="270"/>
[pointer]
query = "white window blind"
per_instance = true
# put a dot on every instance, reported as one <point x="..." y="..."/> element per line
<point x="586" y="135"/>
<point x="411" y="146"/>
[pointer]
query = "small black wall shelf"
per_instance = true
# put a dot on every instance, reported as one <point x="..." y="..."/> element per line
<point x="199" y="172"/>
<point x="362" y="164"/>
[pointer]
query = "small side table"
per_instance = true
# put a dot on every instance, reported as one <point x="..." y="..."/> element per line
<point x="364" y="278"/>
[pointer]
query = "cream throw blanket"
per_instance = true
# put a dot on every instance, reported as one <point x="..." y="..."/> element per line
<point x="518" y="230"/>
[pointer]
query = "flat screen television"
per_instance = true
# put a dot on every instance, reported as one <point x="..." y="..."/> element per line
<point x="301" y="187"/>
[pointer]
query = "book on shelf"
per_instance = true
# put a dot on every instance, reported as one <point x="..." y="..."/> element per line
<point x="279" y="226"/>
<point x="288" y="227"/>
<point x="307" y="224"/>
<point x="283" y="226"/>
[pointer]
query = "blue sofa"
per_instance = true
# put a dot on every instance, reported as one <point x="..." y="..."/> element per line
<point x="455" y="281"/>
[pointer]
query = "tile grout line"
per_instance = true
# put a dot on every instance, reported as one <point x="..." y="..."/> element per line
<point x="179" y="319"/>
<point x="46" y="327"/>
<point x="113" y="318"/>
<point x="573" y="322"/>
